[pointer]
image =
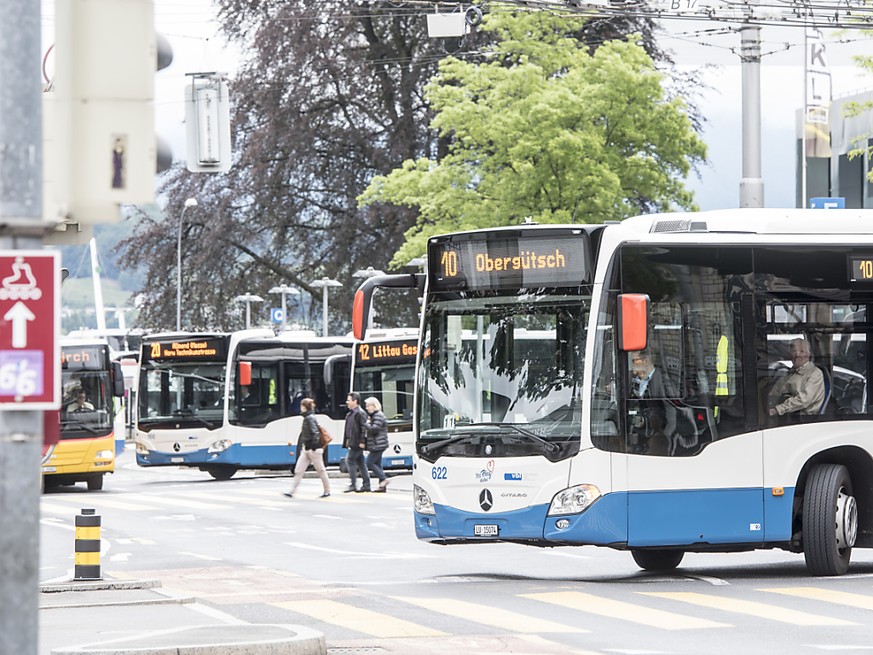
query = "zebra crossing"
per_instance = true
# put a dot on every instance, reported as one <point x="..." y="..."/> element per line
<point x="231" y="499"/>
<point x="578" y="609"/>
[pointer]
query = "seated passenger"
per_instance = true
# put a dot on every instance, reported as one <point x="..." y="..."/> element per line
<point x="802" y="389"/>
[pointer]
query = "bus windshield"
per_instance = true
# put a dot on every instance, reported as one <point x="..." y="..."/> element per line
<point x="88" y="409"/>
<point x="502" y="372"/>
<point x="192" y="392"/>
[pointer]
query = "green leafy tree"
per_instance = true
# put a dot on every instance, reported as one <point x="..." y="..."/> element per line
<point x="545" y="129"/>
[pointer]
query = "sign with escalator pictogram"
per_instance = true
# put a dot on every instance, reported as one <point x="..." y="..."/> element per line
<point x="30" y="317"/>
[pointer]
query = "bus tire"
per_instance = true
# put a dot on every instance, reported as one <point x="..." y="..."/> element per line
<point x="221" y="472"/>
<point x="657" y="560"/>
<point x="830" y="520"/>
<point x="95" y="482"/>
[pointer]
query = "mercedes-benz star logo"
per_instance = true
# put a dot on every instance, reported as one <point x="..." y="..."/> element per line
<point x="486" y="500"/>
<point x="177" y="447"/>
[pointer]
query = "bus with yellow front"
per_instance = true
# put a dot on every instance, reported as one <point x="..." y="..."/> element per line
<point x="90" y="384"/>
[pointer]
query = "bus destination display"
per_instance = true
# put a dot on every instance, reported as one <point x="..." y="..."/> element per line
<point x="185" y="350"/>
<point x="525" y="261"/>
<point x="861" y="268"/>
<point x="90" y="358"/>
<point x="386" y="352"/>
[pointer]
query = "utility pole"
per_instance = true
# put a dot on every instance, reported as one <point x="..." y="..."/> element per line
<point x="21" y="228"/>
<point x="751" y="184"/>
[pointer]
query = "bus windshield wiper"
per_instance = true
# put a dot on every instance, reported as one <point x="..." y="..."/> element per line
<point x="545" y="443"/>
<point x="78" y="425"/>
<point x="548" y="446"/>
<point x="428" y="448"/>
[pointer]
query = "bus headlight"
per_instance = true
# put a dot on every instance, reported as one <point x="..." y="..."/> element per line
<point x="141" y="449"/>
<point x="104" y="454"/>
<point x="422" y="501"/>
<point x="574" y="500"/>
<point x="220" y="446"/>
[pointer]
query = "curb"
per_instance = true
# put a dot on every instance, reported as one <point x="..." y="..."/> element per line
<point x="246" y="639"/>
<point x="124" y="603"/>
<point x="96" y="585"/>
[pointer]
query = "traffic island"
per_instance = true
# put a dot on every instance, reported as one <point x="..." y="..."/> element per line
<point x="244" y="639"/>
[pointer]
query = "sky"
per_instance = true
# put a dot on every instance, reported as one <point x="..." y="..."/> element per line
<point x="197" y="47"/>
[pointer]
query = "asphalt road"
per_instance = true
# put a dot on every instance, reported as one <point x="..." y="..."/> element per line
<point x="350" y="567"/>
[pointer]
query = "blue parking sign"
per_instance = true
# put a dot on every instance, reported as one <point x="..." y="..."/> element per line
<point x="827" y="203"/>
<point x="277" y="315"/>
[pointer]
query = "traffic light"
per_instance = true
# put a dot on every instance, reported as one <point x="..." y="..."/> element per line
<point x="105" y="152"/>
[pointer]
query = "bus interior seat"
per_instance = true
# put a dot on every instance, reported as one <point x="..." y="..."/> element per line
<point x="827" y="389"/>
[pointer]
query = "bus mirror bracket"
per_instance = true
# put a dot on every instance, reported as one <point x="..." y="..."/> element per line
<point x="117" y="380"/>
<point x="363" y="304"/>
<point x="245" y="374"/>
<point x="633" y="320"/>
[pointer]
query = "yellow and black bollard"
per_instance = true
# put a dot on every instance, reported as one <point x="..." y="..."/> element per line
<point x="87" y="546"/>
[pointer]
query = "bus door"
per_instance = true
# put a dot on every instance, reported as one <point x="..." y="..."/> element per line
<point x="692" y="440"/>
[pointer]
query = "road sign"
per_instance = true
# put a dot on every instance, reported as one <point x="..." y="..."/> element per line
<point x="277" y="314"/>
<point x="30" y="323"/>
<point x="827" y="203"/>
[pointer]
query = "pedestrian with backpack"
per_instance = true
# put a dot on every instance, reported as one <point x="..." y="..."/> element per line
<point x="310" y="451"/>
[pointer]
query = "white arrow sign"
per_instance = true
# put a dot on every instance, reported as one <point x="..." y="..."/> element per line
<point x="19" y="314"/>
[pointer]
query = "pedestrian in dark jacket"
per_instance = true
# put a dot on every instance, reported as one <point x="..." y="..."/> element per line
<point x="377" y="439"/>
<point x="310" y="451"/>
<point x="355" y="439"/>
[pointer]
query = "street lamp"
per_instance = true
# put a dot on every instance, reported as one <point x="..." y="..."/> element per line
<point x="285" y="290"/>
<point x="368" y="272"/>
<point x="190" y="202"/>
<point x="324" y="283"/>
<point x="248" y="299"/>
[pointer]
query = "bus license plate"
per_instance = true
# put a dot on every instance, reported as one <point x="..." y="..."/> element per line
<point x="396" y="462"/>
<point x="49" y="469"/>
<point x="177" y="460"/>
<point x="485" y="530"/>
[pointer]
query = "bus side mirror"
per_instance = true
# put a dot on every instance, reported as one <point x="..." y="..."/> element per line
<point x="360" y="309"/>
<point x="117" y="380"/>
<point x="633" y="321"/>
<point x="245" y="374"/>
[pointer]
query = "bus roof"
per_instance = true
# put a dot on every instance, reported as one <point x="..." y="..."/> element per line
<point x="759" y="221"/>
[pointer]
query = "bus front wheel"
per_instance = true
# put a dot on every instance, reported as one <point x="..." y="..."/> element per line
<point x="95" y="482"/>
<point x="221" y="472"/>
<point x="830" y="520"/>
<point x="657" y="560"/>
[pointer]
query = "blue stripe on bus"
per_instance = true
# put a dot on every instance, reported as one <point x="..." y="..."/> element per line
<point x="656" y="518"/>
<point x="267" y="456"/>
<point x="449" y="523"/>
<point x="709" y="516"/>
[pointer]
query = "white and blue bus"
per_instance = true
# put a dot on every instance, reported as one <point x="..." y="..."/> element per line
<point x="384" y="367"/>
<point x="527" y="425"/>
<point x="222" y="402"/>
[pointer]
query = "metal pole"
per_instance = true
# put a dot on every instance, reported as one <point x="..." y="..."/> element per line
<point x="248" y="314"/>
<point x="179" y="273"/>
<point x="284" y="314"/>
<point x="752" y="184"/>
<point x="324" y="311"/>
<point x="21" y="432"/>
<point x="190" y="202"/>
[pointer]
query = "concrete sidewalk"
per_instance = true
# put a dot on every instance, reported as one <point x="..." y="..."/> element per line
<point x="113" y="617"/>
